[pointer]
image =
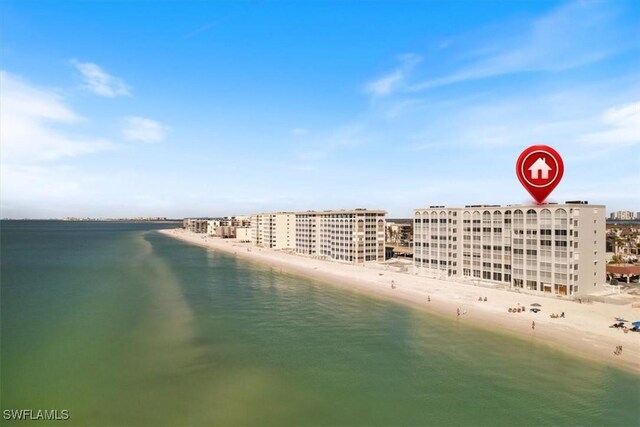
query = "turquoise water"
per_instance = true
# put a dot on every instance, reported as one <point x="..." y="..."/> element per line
<point x="121" y="325"/>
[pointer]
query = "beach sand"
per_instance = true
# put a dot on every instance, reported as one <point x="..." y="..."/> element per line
<point x="584" y="332"/>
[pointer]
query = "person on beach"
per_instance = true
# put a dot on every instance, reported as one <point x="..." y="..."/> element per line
<point x="393" y="284"/>
<point x="428" y="298"/>
<point x="485" y="299"/>
<point x="562" y="314"/>
<point x="458" y="312"/>
<point x="533" y="325"/>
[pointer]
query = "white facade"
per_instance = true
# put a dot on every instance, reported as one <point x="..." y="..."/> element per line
<point x="243" y="234"/>
<point x="354" y="236"/>
<point x="623" y="215"/>
<point x="273" y="230"/>
<point x="557" y="249"/>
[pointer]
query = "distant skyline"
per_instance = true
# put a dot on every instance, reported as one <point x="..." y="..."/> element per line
<point x="176" y="109"/>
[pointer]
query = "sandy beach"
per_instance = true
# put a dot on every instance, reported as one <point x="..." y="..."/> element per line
<point x="583" y="332"/>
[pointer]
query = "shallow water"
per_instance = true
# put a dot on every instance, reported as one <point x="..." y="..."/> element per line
<point x="121" y="325"/>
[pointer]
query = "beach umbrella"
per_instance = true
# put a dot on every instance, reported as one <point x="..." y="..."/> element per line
<point x="636" y="323"/>
<point x="535" y="304"/>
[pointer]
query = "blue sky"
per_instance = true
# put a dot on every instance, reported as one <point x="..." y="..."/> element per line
<point x="204" y="109"/>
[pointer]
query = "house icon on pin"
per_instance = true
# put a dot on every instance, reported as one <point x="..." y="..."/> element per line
<point x="540" y="166"/>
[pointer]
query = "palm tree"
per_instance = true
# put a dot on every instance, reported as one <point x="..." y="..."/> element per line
<point x="618" y="242"/>
<point x="610" y="239"/>
<point x="628" y="240"/>
<point x="633" y="242"/>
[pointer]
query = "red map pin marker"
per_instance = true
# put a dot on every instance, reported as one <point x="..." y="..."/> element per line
<point x="539" y="169"/>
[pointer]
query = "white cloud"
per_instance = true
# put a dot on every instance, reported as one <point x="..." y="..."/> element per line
<point x="99" y="81"/>
<point x="573" y="35"/>
<point x="32" y="124"/>
<point x="143" y="129"/>
<point x="622" y="126"/>
<point x="395" y="80"/>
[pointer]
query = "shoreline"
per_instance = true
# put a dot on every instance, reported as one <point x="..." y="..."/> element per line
<point x="583" y="333"/>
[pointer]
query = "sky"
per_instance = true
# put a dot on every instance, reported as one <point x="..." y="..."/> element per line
<point x="176" y="109"/>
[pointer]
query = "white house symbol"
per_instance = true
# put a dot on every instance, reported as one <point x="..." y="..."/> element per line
<point x="540" y="166"/>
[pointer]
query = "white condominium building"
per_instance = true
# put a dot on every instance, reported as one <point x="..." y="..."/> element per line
<point x="623" y="215"/>
<point x="557" y="249"/>
<point x="354" y="236"/>
<point x="273" y="230"/>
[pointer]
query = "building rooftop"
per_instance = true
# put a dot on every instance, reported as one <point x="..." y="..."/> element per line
<point x="345" y="211"/>
<point x="631" y="269"/>
<point x="570" y="204"/>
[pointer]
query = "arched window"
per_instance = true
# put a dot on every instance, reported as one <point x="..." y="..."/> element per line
<point x="518" y="218"/>
<point x="497" y="219"/>
<point x="532" y="217"/>
<point x="560" y="218"/>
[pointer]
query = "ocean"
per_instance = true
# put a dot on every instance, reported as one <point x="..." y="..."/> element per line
<point x="122" y="326"/>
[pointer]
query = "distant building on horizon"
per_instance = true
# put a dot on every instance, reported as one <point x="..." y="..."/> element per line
<point x="624" y="215"/>
<point x="557" y="249"/>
